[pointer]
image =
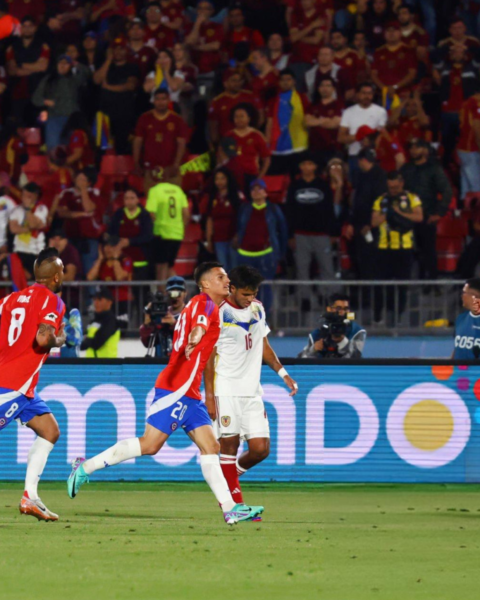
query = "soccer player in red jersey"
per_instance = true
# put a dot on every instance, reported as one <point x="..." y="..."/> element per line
<point x="30" y="326"/>
<point x="177" y="402"/>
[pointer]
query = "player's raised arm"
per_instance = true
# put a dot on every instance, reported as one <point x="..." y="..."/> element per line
<point x="194" y="339"/>
<point x="209" y="379"/>
<point x="46" y="337"/>
<point x="271" y="359"/>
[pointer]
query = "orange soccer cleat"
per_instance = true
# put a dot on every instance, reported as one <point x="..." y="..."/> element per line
<point x="36" y="508"/>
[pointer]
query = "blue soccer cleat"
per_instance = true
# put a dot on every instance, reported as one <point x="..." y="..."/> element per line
<point x="77" y="477"/>
<point x="242" y="512"/>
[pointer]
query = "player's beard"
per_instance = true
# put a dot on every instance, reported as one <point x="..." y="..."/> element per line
<point x="58" y="289"/>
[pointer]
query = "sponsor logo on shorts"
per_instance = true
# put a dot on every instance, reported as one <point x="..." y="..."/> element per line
<point x="3" y="422"/>
<point x="174" y="426"/>
<point x="226" y="421"/>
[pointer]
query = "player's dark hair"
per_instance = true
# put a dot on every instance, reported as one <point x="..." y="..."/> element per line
<point x="394" y="175"/>
<point x="47" y="254"/>
<point x="474" y="283"/>
<point x="245" y="277"/>
<point x="205" y="268"/>
<point x="407" y="7"/>
<point x="338" y="297"/>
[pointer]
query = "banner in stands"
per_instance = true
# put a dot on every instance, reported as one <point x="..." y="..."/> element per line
<point x="347" y="424"/>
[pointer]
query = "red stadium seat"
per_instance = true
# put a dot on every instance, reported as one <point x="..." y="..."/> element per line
<point x="452" y="227"/>
<point x="451" y="233"/>
<point x="193" y="234"/>
<point x="36" y="169"/>
<point x="277" y="186"/>
<point x="117" y="166"/>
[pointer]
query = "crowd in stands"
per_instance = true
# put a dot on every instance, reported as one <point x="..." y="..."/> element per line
<point x="309" y="138"/>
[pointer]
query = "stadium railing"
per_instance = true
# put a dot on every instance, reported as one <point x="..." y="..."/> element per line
<point x="429" y="306"/>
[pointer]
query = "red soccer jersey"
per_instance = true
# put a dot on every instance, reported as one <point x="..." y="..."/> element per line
<point x="84" y="227"/>
<point x="392" y="65"/>
<point x="209" y="60"/>
<point x="21" y="358"/>
<point x="455" y="99"/>
<point x="321" y="138"/>
<point x="144" y="59"/>
<point x="107" y="273"/>
<point x="250" y="148"/>
<point x="470" y="112"/>
<point x="79" y="139"/>
<point x="161" y="38"/>
<point x="221" y="108"/>
<point x="415" y="37"/>
<point x="266" y="87"/>
<point x="24" y="8"/>
<point x="303" y="52"/>
<point x="352" y="64"/>
<point x="409" y="128"/>
<point x="386" y="148"/>
<point x="182" y="375"/>
<point x="253" y="38"/>
<point x="160" y="137"/>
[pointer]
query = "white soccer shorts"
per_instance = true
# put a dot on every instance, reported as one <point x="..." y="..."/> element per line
<point x="242" y="415"/>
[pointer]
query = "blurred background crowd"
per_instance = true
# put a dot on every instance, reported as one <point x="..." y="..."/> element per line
<point x="318" y="140"/>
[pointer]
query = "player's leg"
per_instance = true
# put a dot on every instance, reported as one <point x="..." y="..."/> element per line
<point x="228" y="424"/>
<point x="150" y="443"/>
<point x="198" y="426"/>
<point x="256" y="430"/>
<point x="37" y="416"/>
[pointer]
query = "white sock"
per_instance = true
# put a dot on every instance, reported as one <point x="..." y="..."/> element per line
<point x="37" y="459"/>
<point x="116" y="454"/>
<point x="212" y="472"/>
<point x="240" y="470"/>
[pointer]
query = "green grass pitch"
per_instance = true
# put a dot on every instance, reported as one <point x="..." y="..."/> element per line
<point x="122" y="541"/>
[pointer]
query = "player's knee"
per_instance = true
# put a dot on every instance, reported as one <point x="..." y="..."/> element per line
<point x="54" y="434"/>
<point x="212" y="447"/>
<point x="260" y="450"/>
<point x="149" y="447"/>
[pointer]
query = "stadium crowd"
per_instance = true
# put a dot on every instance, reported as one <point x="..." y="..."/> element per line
<point x="314" y="138"/>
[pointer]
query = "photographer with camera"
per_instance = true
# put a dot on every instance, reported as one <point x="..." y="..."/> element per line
<point x="161" y="315"/>
<point x="394" y="214"/>
<point x="338" y="335"/>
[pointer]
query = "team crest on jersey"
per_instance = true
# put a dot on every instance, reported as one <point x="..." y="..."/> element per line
<point x="51" y="317"/>
<point x="202" y="320"/>
<point x="226" y="421"/>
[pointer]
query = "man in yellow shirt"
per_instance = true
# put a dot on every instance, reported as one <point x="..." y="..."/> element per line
<point x="394" y="214"/>
<point x="168" y="207"/>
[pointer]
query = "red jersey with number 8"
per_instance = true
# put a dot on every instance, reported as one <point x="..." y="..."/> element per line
<point x="21" y="358"/>
<point x="186" y="375"/>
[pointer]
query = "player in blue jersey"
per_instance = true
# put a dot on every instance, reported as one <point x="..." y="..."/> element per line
<point x="467" y="325"/>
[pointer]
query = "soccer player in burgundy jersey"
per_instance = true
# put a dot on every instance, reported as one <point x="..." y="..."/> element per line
<point x="177" y="402"/>
<point x="30" y="326"/>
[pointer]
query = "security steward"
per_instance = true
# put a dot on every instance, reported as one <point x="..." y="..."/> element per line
<point x="103" y="334"/>
<point x="394" y="216"/>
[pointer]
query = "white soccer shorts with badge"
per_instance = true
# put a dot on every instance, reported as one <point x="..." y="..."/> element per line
<point x="241" y="415"/>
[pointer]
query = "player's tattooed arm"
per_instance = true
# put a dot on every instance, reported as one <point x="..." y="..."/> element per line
<point x="271" y="359"/>
<point x="47" y="339"/>
<point x="194" y="338"/>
